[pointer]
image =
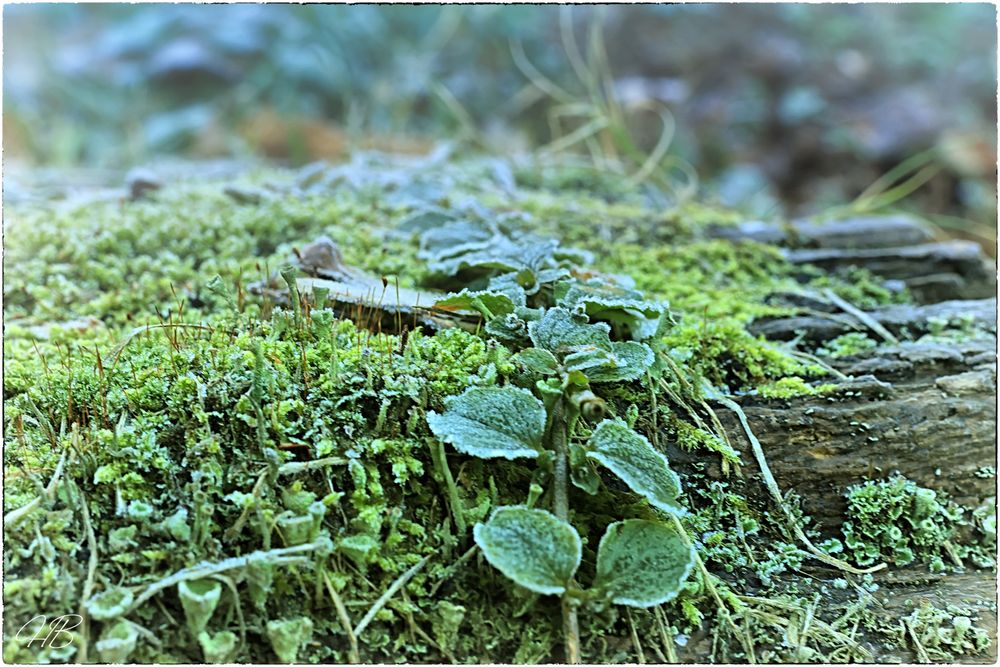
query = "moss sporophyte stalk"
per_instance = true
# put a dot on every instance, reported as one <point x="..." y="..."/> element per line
<point x="232" y="480"/>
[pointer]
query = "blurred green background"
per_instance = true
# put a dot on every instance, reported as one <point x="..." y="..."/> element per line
<point x="772" y="109"/>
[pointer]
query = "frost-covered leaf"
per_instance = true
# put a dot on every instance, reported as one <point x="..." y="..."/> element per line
<point x="538" y="361"/>
<point x="642" y="563"/>
<point x="626" y="361"/>
<point x="601" y="300"/>
<point x="478" y="252"/>
<point x="574" y="256"/>
<point x="492" y="422"/>
<point x="526" y="281"/>
<point x="588" y="357"/>
<point x="561" y="332"/>
<point x="510" y="329"/>
<point x="532" y="547"/>
<point x="424" y="219"/>
<point x="632" y="458"/>
<point x="454" y="238"/>
<point x="488" y="303"/>
<point x="507" y="284"/>
<point x="547" y="276"/>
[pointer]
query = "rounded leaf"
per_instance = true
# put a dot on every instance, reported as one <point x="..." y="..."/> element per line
<point x="562" y="332"/>
<point x="538" y="361"/>
<point x="626" y="361"/>
<point x="642" y="563"/>
<point x="492" y="422"/>
<point x="532" y="547"/>
<point x="630" y="456"/>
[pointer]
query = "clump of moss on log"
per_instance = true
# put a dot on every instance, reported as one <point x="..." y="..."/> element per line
<point x="233" y="429"/>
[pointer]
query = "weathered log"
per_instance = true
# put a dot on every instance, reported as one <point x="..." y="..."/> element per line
<point x="931" y="271"/>
<point x="930" y="414"/>
<point x="851" y="233"/>
<point x="934" y="422"/>
<point x="915" y="320"/>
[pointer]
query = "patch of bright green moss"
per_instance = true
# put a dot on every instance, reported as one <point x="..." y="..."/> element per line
<point x="727" y="355"/>
<point x="896" y="520"/>
<point x="178" y="439"/>
<point x="123" y="262"/>
<point x="847" y="345"/>
<point x="789" y="387"/>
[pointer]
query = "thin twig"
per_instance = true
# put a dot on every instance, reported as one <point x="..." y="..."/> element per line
<point x="921" y="652"/>
<point x="14" y="516"/>
<point x="639" y="655"/>
<point x="440" y="460"/>
<point x="861" y="315"/>
<point x="296" y="467"/>
<point x="236" y="603"/>
<point x="385" y="597"/>
<point x="707" y="578"/>
<point x="88" y="586"/>
<point x="345" y="620"/>
<point x="452" y="569"/>
<point x="285" y="556"/>
<point x="665" y="639"/>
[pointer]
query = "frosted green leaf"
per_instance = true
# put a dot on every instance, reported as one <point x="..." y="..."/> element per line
<point x="626" y="361"/>
<point x="559" y="331"/>
<point x="492" y="422"/>
<point x="487" y="303"/>
<point x="424" y="219"/>
<point x="449" y="252"/>
<point x="538" y="361"/>
<point x="507" y="284"/>
<point x="532" y="547"/>
<point x="630" y="456"/>
<point x="454" y="238"/>
<point x="642" y="563"/>
<point x="602" y="300"/>
<point x="588" y="357"/>
<point x="510" y="328"/>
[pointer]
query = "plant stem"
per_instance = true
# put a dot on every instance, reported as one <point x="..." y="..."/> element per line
<point x="454" y="500"/>
<point x="560" y="504"/>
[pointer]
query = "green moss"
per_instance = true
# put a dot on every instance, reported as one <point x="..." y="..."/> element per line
<point x="124" y="263"/>
<point x="856" y="285"/>
<point x="943" y="634"/>
<point x="847" y="345"/>
<point x="790" y="387"/>
<point x="900" y="522"/>
<point x="958" y="329"/>
<point x="727" y="355"/>
<point x="252" y="428"/>
<point x="707" y="279"/>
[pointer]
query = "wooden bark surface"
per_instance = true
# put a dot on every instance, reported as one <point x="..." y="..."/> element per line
<point x="928" y="412"/>
<point x="898" y="248"/>
<point x="925" y="409"/>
